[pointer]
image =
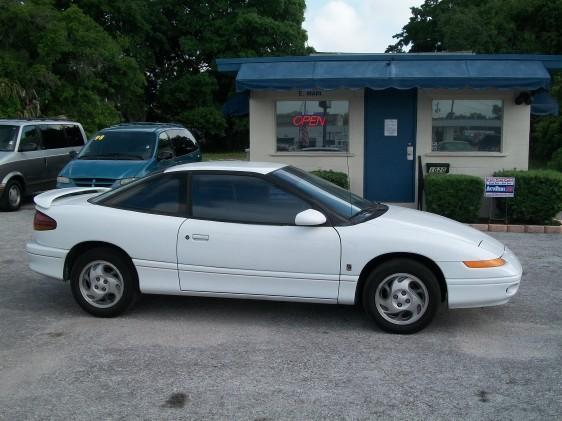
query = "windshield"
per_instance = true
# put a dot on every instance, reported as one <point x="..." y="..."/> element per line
<point x="8" y="136"/>
<point x="339" y="200"/>
<point x="130" y="145"/>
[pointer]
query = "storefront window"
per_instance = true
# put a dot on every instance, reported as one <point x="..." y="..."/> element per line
<point x="467" y="125"/>
<point x="312" y="126"/>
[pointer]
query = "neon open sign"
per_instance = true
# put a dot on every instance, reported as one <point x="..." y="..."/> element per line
<point x="308" y="120"/>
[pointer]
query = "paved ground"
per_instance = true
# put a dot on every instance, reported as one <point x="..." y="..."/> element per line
<point x="172" y="358"/>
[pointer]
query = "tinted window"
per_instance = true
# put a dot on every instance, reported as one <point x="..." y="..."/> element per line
<point x="339" y="200"/>
<point x="181" y="142"/>
<point x="120" y="145"/>
<point x="8" y="136"/>
<point x="164" y="146"/>
<point x="163" y="194"/>
<point x="53" y="137"/>
<point x="30" y="139"/>
<point x="241" y="198"/>
<point x="73" y="136"/>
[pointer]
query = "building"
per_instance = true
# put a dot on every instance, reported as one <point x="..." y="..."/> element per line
<point x="378" y="117"/>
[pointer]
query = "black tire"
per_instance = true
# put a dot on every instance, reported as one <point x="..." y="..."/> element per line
<point x="5" y="202"/>
<point x="126" y="270"/>
<point x="386" y="271"/>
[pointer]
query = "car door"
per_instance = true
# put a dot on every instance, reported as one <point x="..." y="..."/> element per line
<point x="32" y="162"/>
<point x="241" y="239"/>
<point x="143" y="218"/>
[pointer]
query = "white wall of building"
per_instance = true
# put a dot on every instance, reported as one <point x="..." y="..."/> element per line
<point x="263" y="135"/>
<point x="515" y="134"/>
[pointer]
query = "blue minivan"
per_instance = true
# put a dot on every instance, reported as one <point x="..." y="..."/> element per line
<point x="122" y="153"/>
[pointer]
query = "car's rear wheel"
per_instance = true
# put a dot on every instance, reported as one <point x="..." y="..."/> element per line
<point x="12" y="197"/>
<point x="104" y="282"/>
<point x="402" y="296"/>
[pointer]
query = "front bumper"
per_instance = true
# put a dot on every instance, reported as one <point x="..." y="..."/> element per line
<point x="468" y="288"/>
<point x="466" y="293"/>
<point x="47" y="261"/>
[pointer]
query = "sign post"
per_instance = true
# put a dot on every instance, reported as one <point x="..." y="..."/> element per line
<point x="499" y="187"/>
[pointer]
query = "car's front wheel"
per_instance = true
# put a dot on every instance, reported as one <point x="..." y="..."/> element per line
<point x="104" y="282"/>
<point x="402" y="296"/>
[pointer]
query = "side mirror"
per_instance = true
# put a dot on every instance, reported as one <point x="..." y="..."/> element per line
<point x="28" y="147"/>
<point x="73" y="154"/>
<point x="310" y="218"/>
<point x="163" y="155"/>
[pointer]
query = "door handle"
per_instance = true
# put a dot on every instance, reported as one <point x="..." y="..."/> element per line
<point x="200" y="237"/>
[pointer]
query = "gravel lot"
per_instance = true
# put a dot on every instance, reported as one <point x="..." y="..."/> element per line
<point x="195" y="358"/>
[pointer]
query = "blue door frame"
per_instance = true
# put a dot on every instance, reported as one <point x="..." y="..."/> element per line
<point x="389" y="176"/>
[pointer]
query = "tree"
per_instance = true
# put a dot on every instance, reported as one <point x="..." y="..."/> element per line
<point x="483" y="26"/>
<point x="75" y="68"/>
<point x="176" y="43"/>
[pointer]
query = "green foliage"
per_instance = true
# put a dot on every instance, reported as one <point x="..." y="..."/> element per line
<point x="72" y="65"/>
<point x="455" y="196"/>
<point x="336" y="177"/>
<point x="102" y="61"/>
<point x="556" y="161"/>
<point x="538" y="196"/>
<point x="483" y="26"/>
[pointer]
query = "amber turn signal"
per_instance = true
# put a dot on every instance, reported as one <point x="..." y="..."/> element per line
<point x="479" y="264"/>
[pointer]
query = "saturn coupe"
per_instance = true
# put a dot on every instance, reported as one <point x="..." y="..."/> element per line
<point x="264" y="231"/>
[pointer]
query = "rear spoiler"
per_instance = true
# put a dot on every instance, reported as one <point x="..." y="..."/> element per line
<point x="45" y="200"/>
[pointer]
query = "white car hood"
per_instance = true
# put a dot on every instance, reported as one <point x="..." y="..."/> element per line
<point x="425" y="223"/>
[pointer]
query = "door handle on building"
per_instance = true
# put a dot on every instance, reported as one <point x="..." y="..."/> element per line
<point x="410" y="152"/>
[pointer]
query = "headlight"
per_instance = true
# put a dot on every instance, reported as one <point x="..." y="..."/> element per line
<point x="124" y="181"/>
<point x="63" y="180"/>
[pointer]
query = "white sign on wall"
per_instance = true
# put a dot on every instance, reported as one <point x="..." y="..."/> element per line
<point x="390" y="127"/>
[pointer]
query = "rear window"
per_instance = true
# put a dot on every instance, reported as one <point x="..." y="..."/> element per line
<point x="163" y="194"/>
<point x="73" y="136"/>
<point x="8" y="137"/>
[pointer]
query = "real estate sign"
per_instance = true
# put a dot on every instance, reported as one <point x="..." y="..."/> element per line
<point x="499" y="187"/>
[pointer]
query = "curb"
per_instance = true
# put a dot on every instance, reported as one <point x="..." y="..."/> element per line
<point x="531" y="229"/>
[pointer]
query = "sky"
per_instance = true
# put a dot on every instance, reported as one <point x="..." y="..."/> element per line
<point x="355" y="26"/>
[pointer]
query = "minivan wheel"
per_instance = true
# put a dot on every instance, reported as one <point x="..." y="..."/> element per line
<point x="402" y="296"/>
<point x="12" y="197"/>
<point x="103" y="282"/>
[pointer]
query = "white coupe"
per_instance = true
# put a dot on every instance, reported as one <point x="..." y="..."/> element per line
<point x="264" y="231"/>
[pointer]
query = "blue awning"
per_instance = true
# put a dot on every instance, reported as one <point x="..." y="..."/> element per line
<point x="544" y="104"/>
<point x="528" y="75"/>
<point x="237" y="105"/>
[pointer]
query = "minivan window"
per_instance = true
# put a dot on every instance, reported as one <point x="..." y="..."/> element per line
<point x="30" y="139"/>
<point x="120" y="145"/>
<point x="53" y="136"/>
<point x="73" y="136"/>
<point x="181" y="142"/>
<point x="164" y="146"/>
<point x="8" y="137"/>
